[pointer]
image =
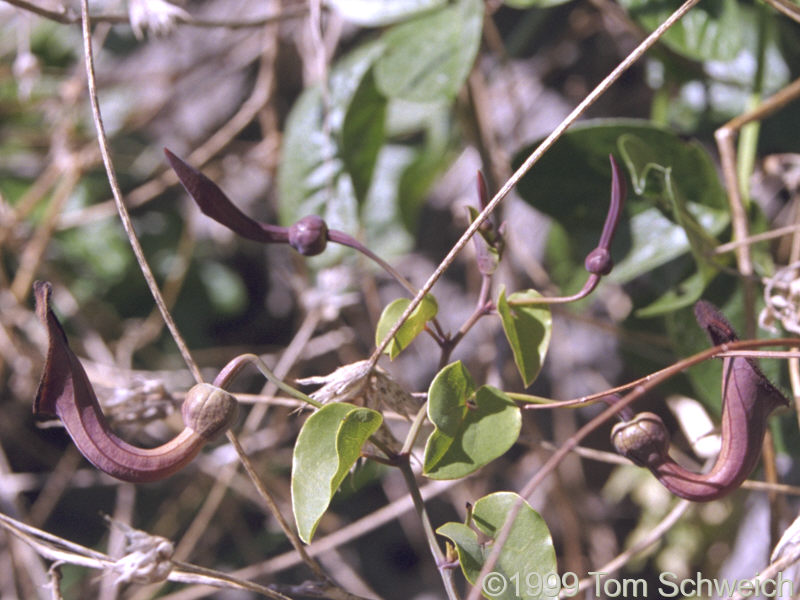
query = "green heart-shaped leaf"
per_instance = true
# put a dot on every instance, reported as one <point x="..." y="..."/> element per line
<point x="472" y="427"/>
<point x="527" y="330"/>
<point x="328" y="446"/>
<point x="526" y="568"/>
<point x="414" y="325"/>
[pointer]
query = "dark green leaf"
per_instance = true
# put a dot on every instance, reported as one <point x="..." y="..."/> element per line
<point x="431" y="157"/>
<point x="684" y="294"/>
<point x="363" y="134"/>
<point x="313" y="177"/>
<point x="654" y="180"/>
<point x="571" y="184"/>
<point x="712" y="30"/>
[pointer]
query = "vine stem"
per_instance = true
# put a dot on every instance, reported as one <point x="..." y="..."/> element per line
<point x="539" y="402"/>
<point x="150" y="279"/>
<point x="430" y="534"/>
<point x="532" y="159"/>
<point x="125" y="217"/>
<point x="223" y="380"/>
<point x="614" y="409"/>
<point x="483" y="307"/>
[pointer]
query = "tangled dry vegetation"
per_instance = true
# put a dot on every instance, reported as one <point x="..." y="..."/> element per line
<point x="341" y="109"/>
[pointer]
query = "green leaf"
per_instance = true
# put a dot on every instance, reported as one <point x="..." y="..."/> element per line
<point x="431" y="123"/>
<point x="571" y="184"/>
<point x="328" y="446"/>
<point x="654" y="180"/>
<point x="363" y="134"/>
<point x="386" y="232"/>
<point x="429" y="58"/>
<point x="314" y="175"/>
<point x="527" y="330"/>
<point x="336" y="161"/>
<point x="447" y="398"/>
<point x="684" y="294"/>
<point x="712" y="30"/>
<point x="414" y="325"/>
<point x="526" y="568"/>
<point x="372" y="13"/>
<point x="472" y="427"/>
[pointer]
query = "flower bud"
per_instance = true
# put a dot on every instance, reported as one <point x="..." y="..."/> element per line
<point x="598" y="262"/>
<point x="309" y="235"/>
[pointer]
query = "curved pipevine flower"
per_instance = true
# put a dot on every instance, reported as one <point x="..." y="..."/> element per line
<point x="65" y="391"/>
<point x="748" y="398"/>
<point x="309" y="235"/>
<point x="214" y="203"/>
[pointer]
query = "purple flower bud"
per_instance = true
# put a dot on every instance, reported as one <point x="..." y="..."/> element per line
<point x="309" y="235"/>
<point x="599" y="262"/>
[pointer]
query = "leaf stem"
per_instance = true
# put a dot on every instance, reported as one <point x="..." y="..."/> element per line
<point x="234" y="367"/>
<point x="413" y="431"/>
<point x="430" y="534"/>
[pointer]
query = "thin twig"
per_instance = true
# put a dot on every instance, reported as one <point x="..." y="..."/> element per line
<point x="32" y="255"/>
<point x="430" y="534"/>
<point x="117" y="193"/>
<point x="251" y="424"/>
<point x="332" y="541"/>
<point x="653" y="536"/>
<point x="786" y="7"/>
<point x="290" y="533"/>
<point x="258" y="99"/>
<point x="773" y="569"/>
<point x="758" y="237"/>
<point x="59" y="549"/>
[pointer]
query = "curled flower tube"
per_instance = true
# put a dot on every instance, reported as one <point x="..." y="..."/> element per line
<point x="65" y="392"/>
<point x="748" y="398"/>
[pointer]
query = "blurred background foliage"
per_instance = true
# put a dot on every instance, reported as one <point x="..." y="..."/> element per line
<point x="377" y="116"/>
